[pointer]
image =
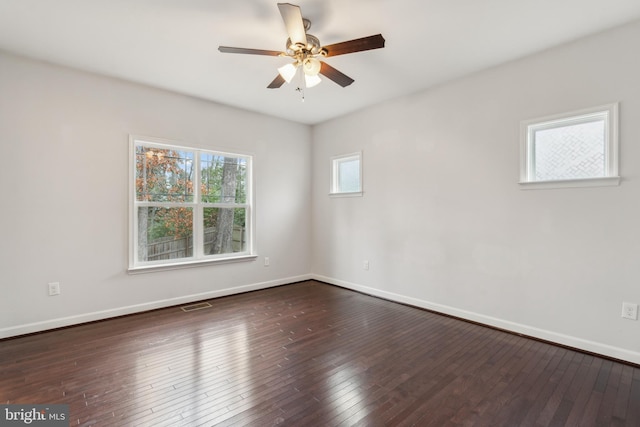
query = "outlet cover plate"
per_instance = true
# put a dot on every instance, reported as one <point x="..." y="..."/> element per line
<point x="630" y="310"/>
<point x="54" y="288"/>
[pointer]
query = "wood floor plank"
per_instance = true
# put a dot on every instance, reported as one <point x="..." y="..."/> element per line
<point x="407" y="391"/>
<point x="549" y="388"/>
<point x="553" y="404"/>
<point x="632" y="417"/>
<point x="311" y="354"/>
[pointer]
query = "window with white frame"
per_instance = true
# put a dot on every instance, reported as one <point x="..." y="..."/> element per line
<point x="188" y="205"/>
<point x="571" y="150"/>
<point x="346" y="175"/>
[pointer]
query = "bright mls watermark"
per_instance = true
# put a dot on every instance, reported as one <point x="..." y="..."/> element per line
<point x="34" y="415"/>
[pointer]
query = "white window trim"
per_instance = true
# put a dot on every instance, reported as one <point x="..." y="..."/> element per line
<point x="333" y="184"/>
<point x="611" y="177"/>
<point x="150" y="266"/>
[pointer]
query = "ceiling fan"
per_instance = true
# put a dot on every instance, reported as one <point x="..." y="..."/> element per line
<point x="305" y="49"/>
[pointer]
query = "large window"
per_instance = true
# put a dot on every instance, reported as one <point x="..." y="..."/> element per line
<point x="188" y="205"/>
<point x="346" y="175"/>
<point x="570" y="150"/>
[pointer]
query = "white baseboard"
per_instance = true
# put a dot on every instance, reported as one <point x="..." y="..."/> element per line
<point x="131" y="309"/>
<point x="566" y="340"/>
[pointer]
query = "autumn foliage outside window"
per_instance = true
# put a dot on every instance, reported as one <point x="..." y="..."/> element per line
<point x="189" y="204"/>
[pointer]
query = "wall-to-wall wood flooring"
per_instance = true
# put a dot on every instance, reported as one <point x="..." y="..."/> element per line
<point x="312" y="354"/>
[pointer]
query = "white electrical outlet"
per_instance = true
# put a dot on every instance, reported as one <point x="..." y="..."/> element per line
<point x="365" y="265"/>
<point x="266" y="261"/>
<point x="630" y="310"/>
<point x="54" y="288"/>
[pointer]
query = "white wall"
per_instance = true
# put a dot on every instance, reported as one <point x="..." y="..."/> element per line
<point x="445" y="225"/>
<point x="64" y="171"/>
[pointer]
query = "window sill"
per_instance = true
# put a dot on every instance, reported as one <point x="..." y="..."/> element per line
<point x="350" y="194"/>
<point x="189" y="264"/>
<point x="571" y="183"/>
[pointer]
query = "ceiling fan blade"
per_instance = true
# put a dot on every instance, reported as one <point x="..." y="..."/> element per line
<point x="331" y="73"/>
<point x="356" y="45"/>
<point x="277" y="82"/>
<point x="292" y="17"/>
<point x="227" y="49"/>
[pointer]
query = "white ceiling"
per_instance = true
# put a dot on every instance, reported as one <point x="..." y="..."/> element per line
<point x="172" y="44"/>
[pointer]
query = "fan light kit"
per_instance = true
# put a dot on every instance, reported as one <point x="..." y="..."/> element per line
<point x="305" y="50"/>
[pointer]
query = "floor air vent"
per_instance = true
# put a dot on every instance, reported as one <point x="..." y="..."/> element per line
<point x="194" y="307"/>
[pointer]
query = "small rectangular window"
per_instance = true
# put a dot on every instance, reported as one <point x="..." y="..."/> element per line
<point x="571" y="150"/>
<point x="346" y="175"/>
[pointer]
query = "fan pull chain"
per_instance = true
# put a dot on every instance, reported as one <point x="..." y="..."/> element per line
<point x="301" y="85"/>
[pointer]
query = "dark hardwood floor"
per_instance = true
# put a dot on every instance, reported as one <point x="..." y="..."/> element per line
<point x="311" y="354"/>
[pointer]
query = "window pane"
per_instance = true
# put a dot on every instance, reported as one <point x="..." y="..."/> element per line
<point x="570" y="152"/>
<point x="163" y="175"/>
<point x="223" y="179"/>
<point x="224" y="230"/>
<point x="164" y="233"/>
<point x="348" y="175"/>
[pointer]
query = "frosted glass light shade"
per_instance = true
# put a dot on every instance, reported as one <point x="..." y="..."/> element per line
<point x="288" y="72"/>
<point x="311" y="81"/>
<point x="311" y="67"/>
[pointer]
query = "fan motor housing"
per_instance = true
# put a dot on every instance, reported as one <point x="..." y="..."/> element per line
<point x="312" y="48"/>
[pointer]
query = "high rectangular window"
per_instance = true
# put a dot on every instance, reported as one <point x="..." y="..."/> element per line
<point x="188" y="205"/>
<point x="572" y="149"/>
<point x="346" y="175"/>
